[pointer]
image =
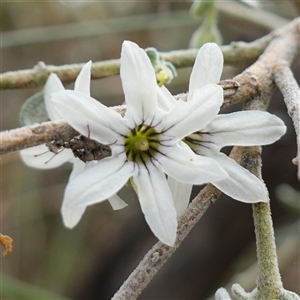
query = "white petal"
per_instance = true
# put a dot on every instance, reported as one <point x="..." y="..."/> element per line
<point x="241" y="185"/>
<point x="185" y="166"/>
<point x="53" y="85"/>
<point x="98" y="181"/>
<point x="81" y="111"/>
<point x="181" y="193"/>
<point x="78" y="167"/>
<point x="165" y="99"/>
<point x="188" y="117"/>
<point x="116" y="202"/>
<point x="207" y="68"/>
<point x="83" y="81"/>
<point x="71" y="216"/>
<point x="138" y="81"/>
<point x="246" y="128"/>
<point x="157" y="204"/>
<point x="40" y="157"/>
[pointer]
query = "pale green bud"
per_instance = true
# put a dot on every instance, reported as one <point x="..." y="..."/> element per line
<point x="200" y="8"/>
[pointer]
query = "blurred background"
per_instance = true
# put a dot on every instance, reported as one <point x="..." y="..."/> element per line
<point x="92" y="260"/>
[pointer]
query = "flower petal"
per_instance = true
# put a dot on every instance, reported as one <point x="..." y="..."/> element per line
<point x="181" y="193"/>
<point x="157" y="204"/>
<point x="188" y="117"/>
<point x="116" y="202"/>
<point x="241" y="185"/>
<point x="83" y="81"/>
<point x="245" y="128"/>
<point x="81" y="111"/>
<point x="207" y="68"/>
<point x="53" y="85"/>
<point x="71" y="216"/>
<point x="139" y="82"/>
<point x="40" y="157"/>
<point x="99" y="181"/>
<point x="165" y="99"/>
<point x="185" y="166"/>
<point x="78" y="167"/>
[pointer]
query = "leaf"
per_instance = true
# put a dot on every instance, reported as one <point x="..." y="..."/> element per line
<point x="33" y="110"/>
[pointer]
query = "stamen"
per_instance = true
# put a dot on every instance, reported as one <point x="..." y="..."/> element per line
<point x="141" y="143"/>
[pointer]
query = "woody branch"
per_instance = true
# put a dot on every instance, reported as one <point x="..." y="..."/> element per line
<point x="266" y="72"/>
<point x="256" y="89"/>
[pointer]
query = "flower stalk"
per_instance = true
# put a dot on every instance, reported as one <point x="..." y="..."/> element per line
<point x="269" y="284"/>
<point x="269" y="281"/>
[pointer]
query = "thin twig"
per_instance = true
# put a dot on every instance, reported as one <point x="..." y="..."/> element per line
<point x="160" y="253"/>
<point x="290" y="90"/>
<point x="29" y="136"/>
<point x="236" y="53"/>
<point x="67" y="73"/>
<point x="269" y="283"/>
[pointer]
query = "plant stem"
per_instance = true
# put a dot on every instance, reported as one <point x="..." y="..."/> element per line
<point x="269" y="281"/>
<point x="234" y="54"/>
<point x="290" y="90"/>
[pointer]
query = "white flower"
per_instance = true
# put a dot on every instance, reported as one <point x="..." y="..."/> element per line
<point x="41" y="158"/>
<point x="246" y="128"/>
<point x="145" y="144"/>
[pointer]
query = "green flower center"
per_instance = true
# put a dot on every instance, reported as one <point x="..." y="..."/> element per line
<point x="190" y="139"/>
<point x="193" y="141"/>
<point x="141" y="143"/>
